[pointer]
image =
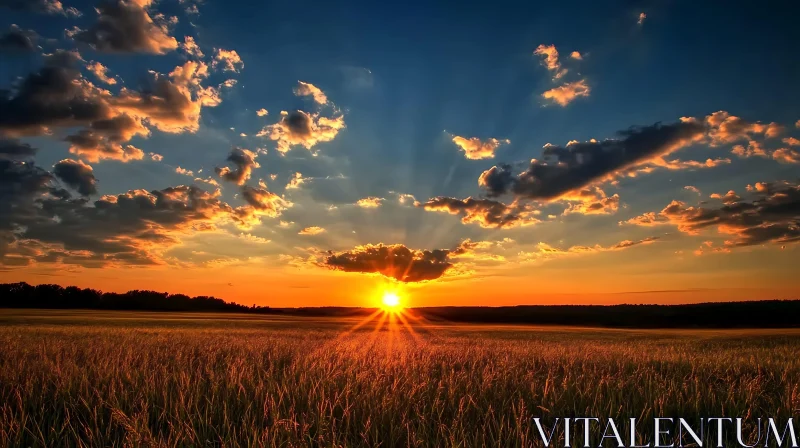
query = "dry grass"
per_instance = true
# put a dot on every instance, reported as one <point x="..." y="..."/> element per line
<point x="128" y="379"/>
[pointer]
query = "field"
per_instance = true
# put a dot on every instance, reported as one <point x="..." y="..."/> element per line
<point x="81" y="378"/>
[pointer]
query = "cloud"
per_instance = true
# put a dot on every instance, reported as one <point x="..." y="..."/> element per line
<point x="485" y="212"/>
<point x="307" y="89"/>
<point x="692" y="188"/>
<point x="394" y="261"/>
<point x="311" y="231"/>
<point x="566" y="93"/>
<point x="475" y="149"/>
<point x="576" y="55"/>
<point x="302" y="129"/>
<point x="228" y="59"/>
<point x="191" y="48"/>
<point x="244" y="161"/>
<point x="124" y="26"/>
<point x="370" y="202"/>
<point x="17" y="39"/>
<point x="725" y="128"/>
<point x="184" y="171"/>
<point x="791" y="141"/>
<point x="544" y="251"/>
<point x="262" y="112"/>
<point x="172" y="105"/>
<point x="104" y="139"/>
<point x="772" y="216"/>
<point x="264" y="202"/>
<point x="753" y="149"/>
<point x="296" y="181"/>
<point x="642" y="17"/>
<point x="58" y="96"/>
<point x="44" y="223"/>
<point x="101" y="72"/>
<point x="12" y="149"/>
<point x="577" y="165"/>
<point x="550" y="59"/>
<point x="53" y="7"/>
<point x="77" y="175"/>
<point x="728" y="198"/>
<point x="786" y="155"/>
<point x="590" y="201"/>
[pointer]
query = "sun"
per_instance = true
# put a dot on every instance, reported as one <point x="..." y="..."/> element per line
<point x="390" y="301"/>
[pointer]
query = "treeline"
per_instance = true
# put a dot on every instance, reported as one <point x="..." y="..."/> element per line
<point x="752" y="314"/>
<point x="23" y="295"/>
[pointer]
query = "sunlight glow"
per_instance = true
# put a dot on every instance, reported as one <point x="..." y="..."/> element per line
<point x="390" y="301"/>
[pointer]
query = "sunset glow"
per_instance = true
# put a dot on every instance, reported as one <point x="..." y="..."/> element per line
<point x="390" y="301"/>
<point x="503" y="155"/>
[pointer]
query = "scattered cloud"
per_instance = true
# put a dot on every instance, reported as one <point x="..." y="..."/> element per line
<point x="190" y="47"/>
<point x="576" y="55"/>
<point x="370" y="202"/>
<point x="772" y="216"/>
<point x="77" y="175"/>
<point x="786" y="155"/>
<point x="485" y="212"/>
<point x="308" y="89"/>
<point x="262" y="112"/>
<point x="575" y="166"/>
<point x="567" y="93"/>
<point x="475" y="149"/>
<point x="100" y="71"/>
<point x="642" y="17"/>
<point x="302" y="129"/>
<point x="590" y="201"/>
<point x="244" y="162"/>
<point x="52" y="7"/>
<point x="125" y="26"/>
<point x="544" y="251"/>
<point x="296" y="181"/>
<point x="692" y="188"/>
<point x="314" y="230"/>
<point x="229" y="60"/>
<point x="550" y="60"/>
<point x="18" y="40"/>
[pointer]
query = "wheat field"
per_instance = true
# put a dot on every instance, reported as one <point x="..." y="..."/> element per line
<point x="95" y="379"/>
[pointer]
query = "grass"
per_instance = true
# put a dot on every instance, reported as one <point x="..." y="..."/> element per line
<point x="74" y="379"/>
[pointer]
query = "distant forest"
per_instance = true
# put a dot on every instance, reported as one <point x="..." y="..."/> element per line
<point x="754" y="314"/>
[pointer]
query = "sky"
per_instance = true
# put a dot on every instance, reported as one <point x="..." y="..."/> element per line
<point x="286" y="154"/>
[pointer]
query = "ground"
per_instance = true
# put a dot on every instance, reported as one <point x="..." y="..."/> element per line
<point x="88" y="378"/>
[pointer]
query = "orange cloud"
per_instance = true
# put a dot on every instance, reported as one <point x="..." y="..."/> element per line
<point x="786" y="155"/>
<point x="228" y="59"/>
<point x="370" y="202"/>
<point x="566" y="93"/>
<point x="302" y="129"/>
<point x="475" y="149"/>
<point x="485" y="212"/>
<point x="314" y="230"/>
<point x="308" y="89"/>
<point x="101" y="72"/>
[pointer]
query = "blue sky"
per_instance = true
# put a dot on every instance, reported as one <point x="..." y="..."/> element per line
<point x="406" y="79"/>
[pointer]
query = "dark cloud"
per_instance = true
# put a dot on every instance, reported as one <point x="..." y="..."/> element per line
<point x="124" y="26"/>
<point x="302" y="129"/>
<point x="395" y="261"/>
<point x="268" y="203"/>
<point x="244" y="161"/>
<point x="485" y="212"/>
<point x="14" y="149"/>
<point x="43" y="222"/>
<point x="77" y="175"/>
<point x="568" y="168"/>
<point x="17" y="39"/>
<point x="54" y="7"/>
<point x="771" y="216"/>
<point x="57" y="96"/>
